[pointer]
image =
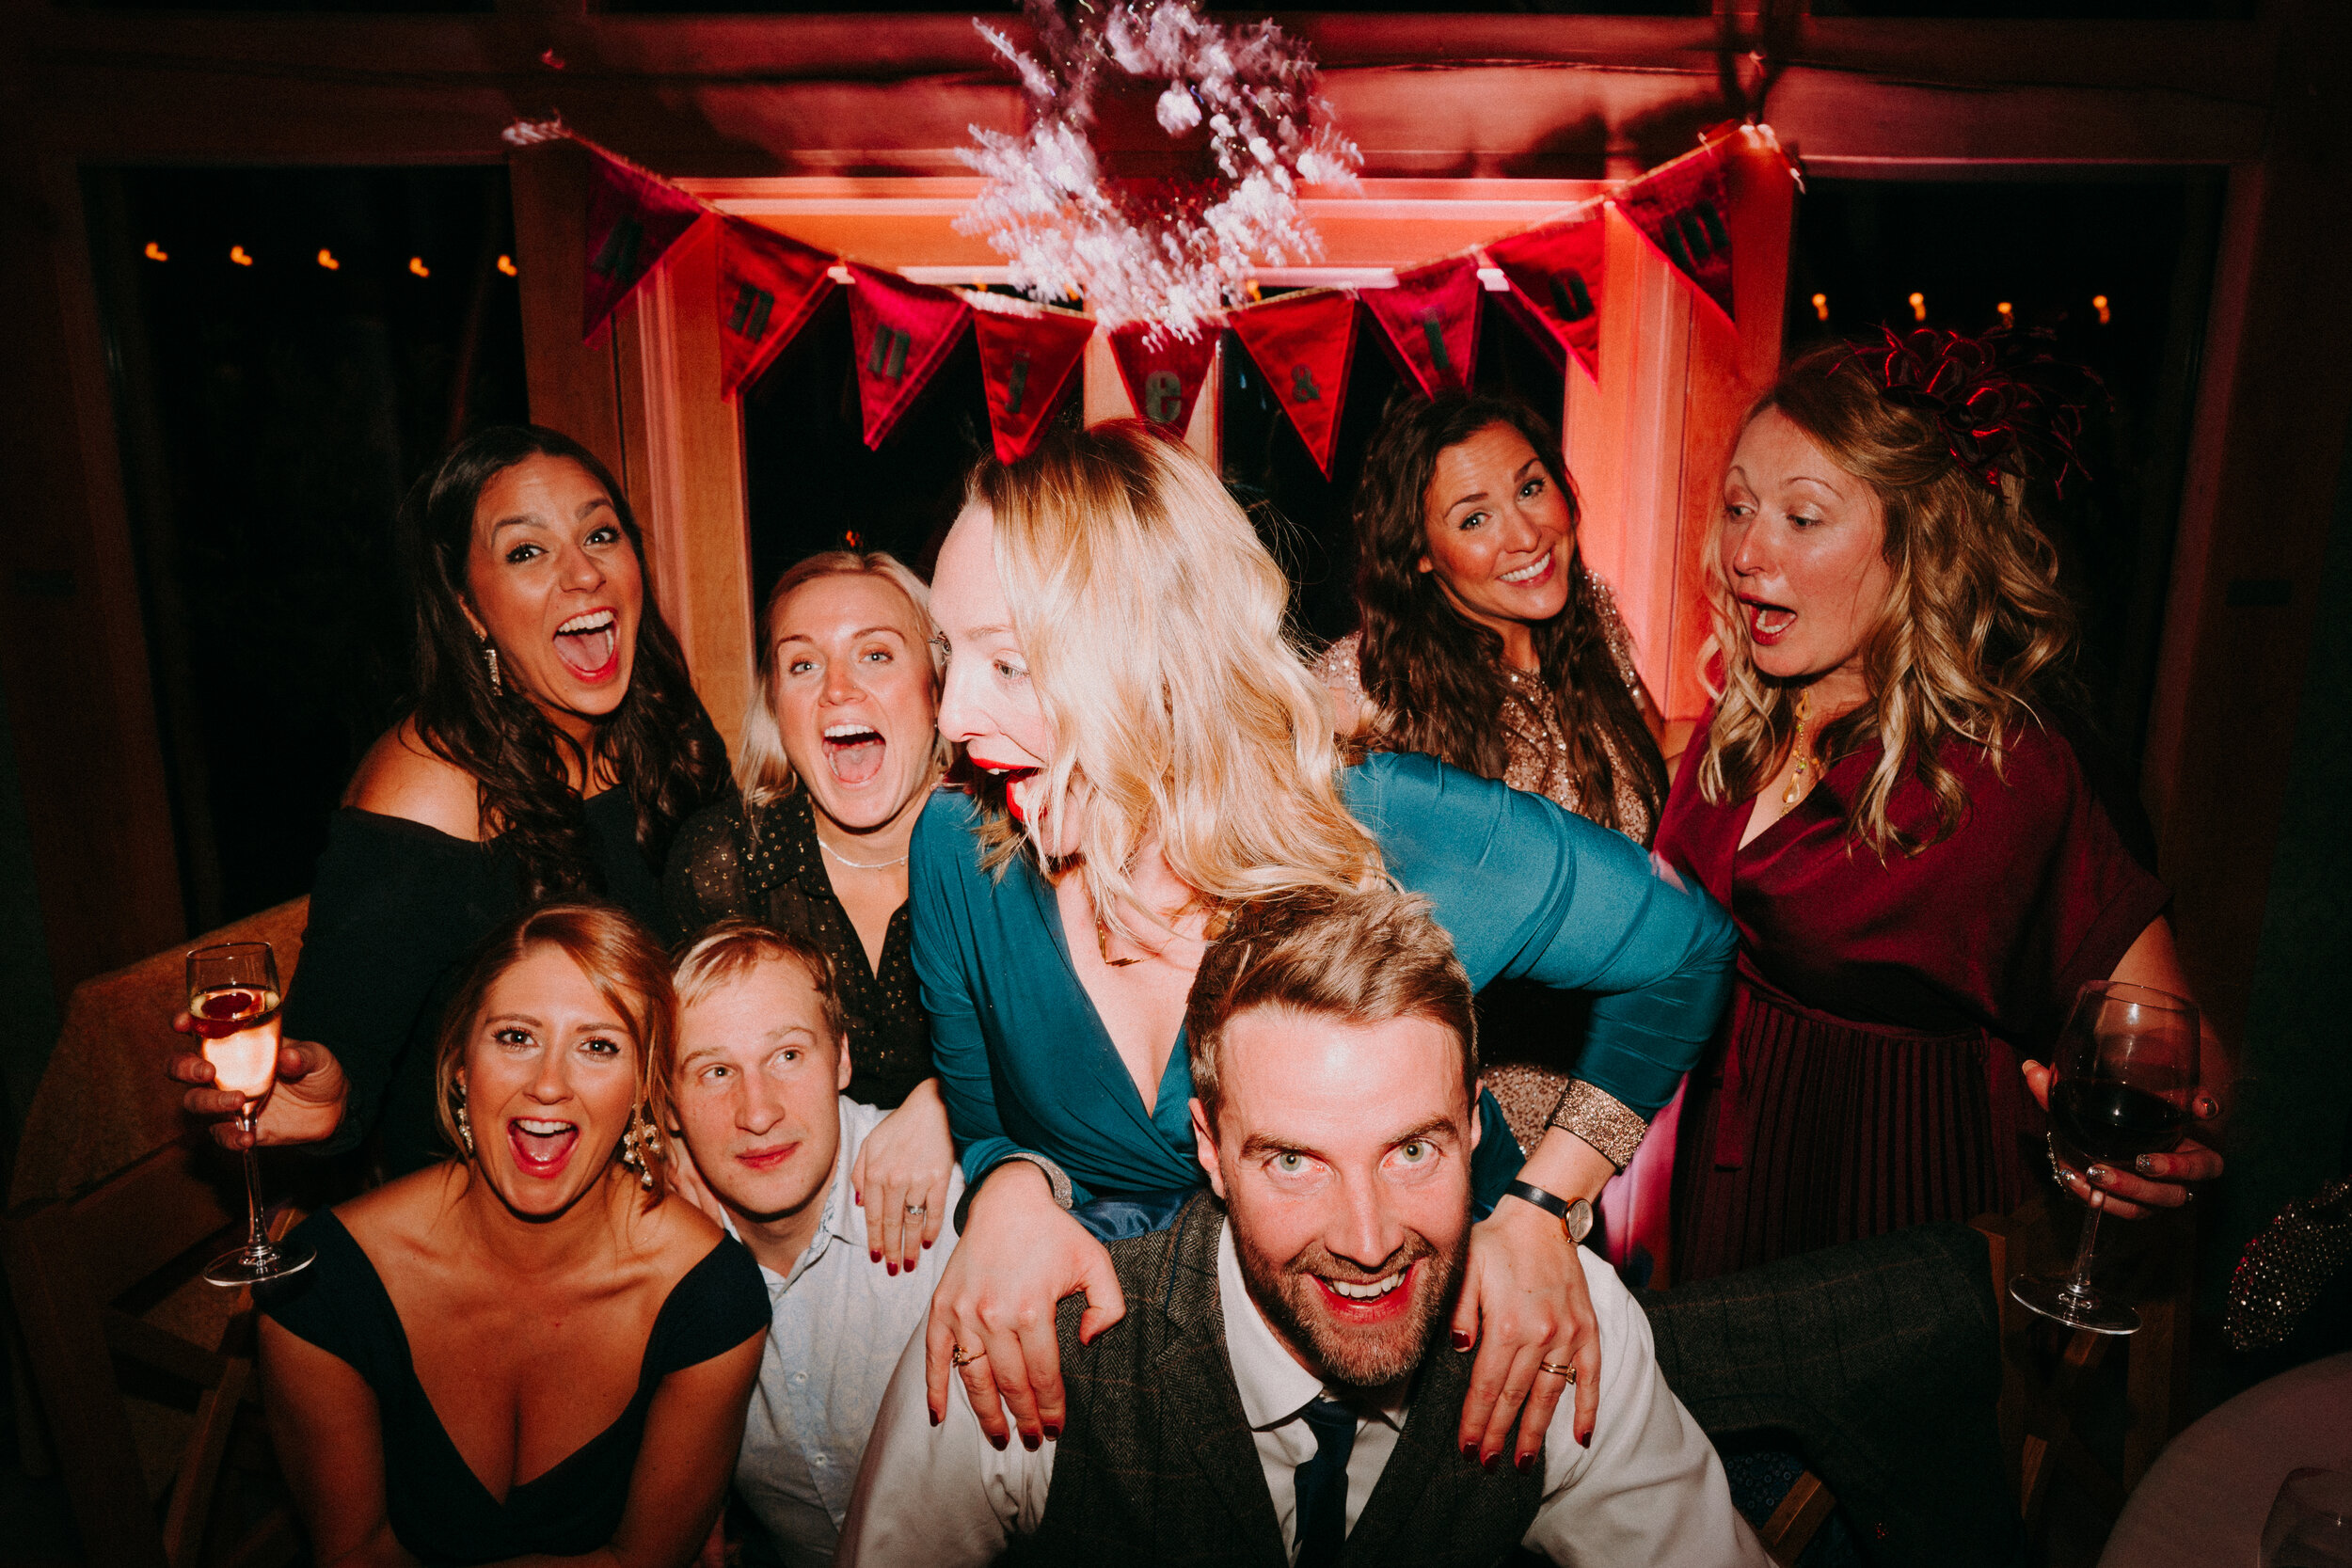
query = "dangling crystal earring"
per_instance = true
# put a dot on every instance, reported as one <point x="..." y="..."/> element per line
<point x="490" y="657"/>
<point x="465" y="1128"/>
<point x="640" y="1147"/>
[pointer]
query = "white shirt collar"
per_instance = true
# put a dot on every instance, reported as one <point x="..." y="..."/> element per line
<point x="1274" y="1387"/>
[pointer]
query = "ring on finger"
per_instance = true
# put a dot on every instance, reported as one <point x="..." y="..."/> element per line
<point x="918" y="1210"/>
<point x="959" y="1356"/>
<point x="1558" y="1369"/>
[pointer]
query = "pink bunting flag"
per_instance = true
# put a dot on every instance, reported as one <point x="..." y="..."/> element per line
<point x="1430" y="320"/>
<point x="1304" y="345"/>
<point x="1029" y="361"/>
<point x="1555" y="277"/>
<point x="768" y="286"/>
<point x="901" y="333"/>
<point x="1163" y="380"/>
<point x="633" y="218"/>
<point x="1680" y="208"/>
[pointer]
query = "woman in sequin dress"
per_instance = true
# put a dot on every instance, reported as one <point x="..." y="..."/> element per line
<point x="1486" y="643"/>
<point x="838" y="752"/>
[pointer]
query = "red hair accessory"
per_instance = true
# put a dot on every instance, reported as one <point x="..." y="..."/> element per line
<point x="1996" y="397"/>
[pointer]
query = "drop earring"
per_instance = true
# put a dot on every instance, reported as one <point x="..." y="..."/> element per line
<point x="465" y="1127"/>
<point x="640" y="1147"/>
<point x="490" y="657"/>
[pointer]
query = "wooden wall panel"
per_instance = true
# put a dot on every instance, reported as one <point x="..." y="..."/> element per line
<point x="572" y="384"/>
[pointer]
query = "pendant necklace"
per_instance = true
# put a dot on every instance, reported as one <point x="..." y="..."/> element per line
<point x="1803" y="753"/>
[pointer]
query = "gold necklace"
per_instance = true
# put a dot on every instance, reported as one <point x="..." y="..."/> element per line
<point x="1806" y="763"/>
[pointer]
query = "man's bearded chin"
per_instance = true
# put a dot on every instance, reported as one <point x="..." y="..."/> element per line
<point x="1354" y="1357"/>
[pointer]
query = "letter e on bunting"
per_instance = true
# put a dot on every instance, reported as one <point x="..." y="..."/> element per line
<point x="1680" y="208"/>
<point x="768" y="286"/>
<point x="1028" y="360"/>
<point x="1430" y="320"/>
<point x="901" y="333"/>
<point x="1163" y="380"/>
<point x="1555" y="277"/>
<point x="1304" y="345"/>
<point x="633" y="218"/>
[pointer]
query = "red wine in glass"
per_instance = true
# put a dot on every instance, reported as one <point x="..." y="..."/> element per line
<point x="2123" y="1074"/>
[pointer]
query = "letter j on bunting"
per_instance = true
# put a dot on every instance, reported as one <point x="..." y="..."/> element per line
<point x="1027" y="362"/>
<point x="1680" y="208"/>
<point x="1430" y="320"/>
<point x="768" y="286"/>
<point x="1304" y="345"/>
<point x="1555" y="277"/>
<point x="901" y="333"/>
<point x="1163" y="380"/>
<point x="633" y="218"/>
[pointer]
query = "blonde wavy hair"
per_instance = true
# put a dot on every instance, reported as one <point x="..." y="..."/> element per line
<point x="1973" y="631"/>
<point x="1154" y="622"/>
<point x="762" y="770"/>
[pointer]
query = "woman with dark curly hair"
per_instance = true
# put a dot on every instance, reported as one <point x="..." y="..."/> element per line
<point x="1486" y="643"/>
<point x="553" y="747"/>
<point x="1913" y="836"/>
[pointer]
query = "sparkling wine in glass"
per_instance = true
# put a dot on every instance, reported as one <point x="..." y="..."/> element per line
<point x="2123" y="1076"/>
<point x="233" y="997"/>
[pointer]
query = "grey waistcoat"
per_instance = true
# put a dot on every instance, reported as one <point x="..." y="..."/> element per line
<point x="1156" y="1464"/>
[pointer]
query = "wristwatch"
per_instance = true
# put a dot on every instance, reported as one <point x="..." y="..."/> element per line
<point x="1575" y="1218"/>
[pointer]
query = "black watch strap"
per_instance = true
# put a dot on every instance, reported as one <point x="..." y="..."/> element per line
<point x="1566" y="1213"/>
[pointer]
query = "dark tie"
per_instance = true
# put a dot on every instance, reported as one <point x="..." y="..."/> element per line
<point x="1323" y="1484"/>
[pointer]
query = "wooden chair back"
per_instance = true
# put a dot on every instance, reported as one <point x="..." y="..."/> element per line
<point x="108" y="1300"/>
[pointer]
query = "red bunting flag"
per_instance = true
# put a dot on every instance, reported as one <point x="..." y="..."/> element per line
<point x="768" y="286"/>
<point x="1680" y="210"/>
<point x="633" y="218"/>
<point x="901" y="333"/>
<point x="1430" y="320"/>
<point x="1163" y="380"/>
<point x="1555" y="277"/>
<point x="1304" y="344"/>
<point x="1027" y="362"/>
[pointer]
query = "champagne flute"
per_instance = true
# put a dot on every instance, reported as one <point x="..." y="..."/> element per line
<point x="233" y="997"/>
<point x="2123" y="1077"/>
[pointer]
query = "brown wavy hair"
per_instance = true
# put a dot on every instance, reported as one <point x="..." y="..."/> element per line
<point x="1434" y="675"/>
<point x="1975" y="631"/>
<point x="660" y="742"/>
<point x="629" y="970"/>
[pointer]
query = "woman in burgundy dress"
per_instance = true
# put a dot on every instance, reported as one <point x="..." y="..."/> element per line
<point x="1888" y="801"/>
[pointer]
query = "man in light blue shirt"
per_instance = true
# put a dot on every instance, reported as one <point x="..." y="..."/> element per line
<point x="762" y="1061"/>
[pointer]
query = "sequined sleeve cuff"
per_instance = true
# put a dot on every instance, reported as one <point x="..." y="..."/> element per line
<point x="1601" y="1119"/>
<point x="1056" y="1178"/>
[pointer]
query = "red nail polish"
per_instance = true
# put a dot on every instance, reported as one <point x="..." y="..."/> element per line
<point x="1527" y="1463"/>
<point x="875" y="1256"/>
<point x="998" y="1443"/>
<point x="935" y="1421"/>
<point x="893" y="1267"/>
<point x="1053" y="1431"/>
<point x="1461" y="1340"/>
<point x="1488" y="1463"/>
<point x="1585" y="1439"/>
<point x="1030" y="1441"/>
<point x="1470" y="1451"/>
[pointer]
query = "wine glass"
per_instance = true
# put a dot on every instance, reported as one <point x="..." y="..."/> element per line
<point x="2311" y="1522"/>
<point x="233" y="997"/>
<point x="2123" y="1076"/>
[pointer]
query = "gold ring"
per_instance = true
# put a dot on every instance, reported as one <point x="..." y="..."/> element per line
<point x="1556" y="1369"/>
<point x="959" y="1356"/>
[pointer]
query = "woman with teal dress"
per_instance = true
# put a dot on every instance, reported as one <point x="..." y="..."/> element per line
<point x="1152" y="752"/>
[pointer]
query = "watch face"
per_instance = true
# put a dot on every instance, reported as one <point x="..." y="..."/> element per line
<point x="1578" y="1220"/>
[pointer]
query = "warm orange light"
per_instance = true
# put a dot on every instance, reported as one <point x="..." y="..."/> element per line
<point x="155" y="252"/>
<point x="327" y="260"/>
<point x="506" y="265"/>
<point x="2009" y="313"/>
<point x="236" y="254"/>
<point x="1821" y="305"/>
<point x="1918" y="307"/>
<point x="416" y="264"/>
<point x="2099" y="303"/>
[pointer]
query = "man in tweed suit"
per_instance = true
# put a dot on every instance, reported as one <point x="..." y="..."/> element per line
<point x="1277" y="1393"/>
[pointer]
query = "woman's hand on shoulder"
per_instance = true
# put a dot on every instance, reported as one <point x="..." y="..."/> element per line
<point x="903" y="1167"/>
<point x="1524" y="1303"/>
<point x="1019" y="1255"/>
<point x="400" y="776"/>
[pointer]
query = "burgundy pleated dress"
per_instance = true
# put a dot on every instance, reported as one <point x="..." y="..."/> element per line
<point x="1867" y="1075"/>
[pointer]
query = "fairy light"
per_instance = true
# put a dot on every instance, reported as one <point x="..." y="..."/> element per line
<point x="506" y="265"/>
<point x="236" y="254"/>
<point x="2009" y="313"/>
<point x="1820" y="307"/>
<point x="155" y="252"/>
<point x="2099" y="303"/>
<point x="1918" y="307"/>
<point x="327" y="260"/>
<point x="416" y="264"/>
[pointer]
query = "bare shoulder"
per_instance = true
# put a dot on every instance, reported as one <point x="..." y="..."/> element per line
<point x="397" y="1220"/>
<point x="402" y="777"/>
<point x="677" y="1234"/>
